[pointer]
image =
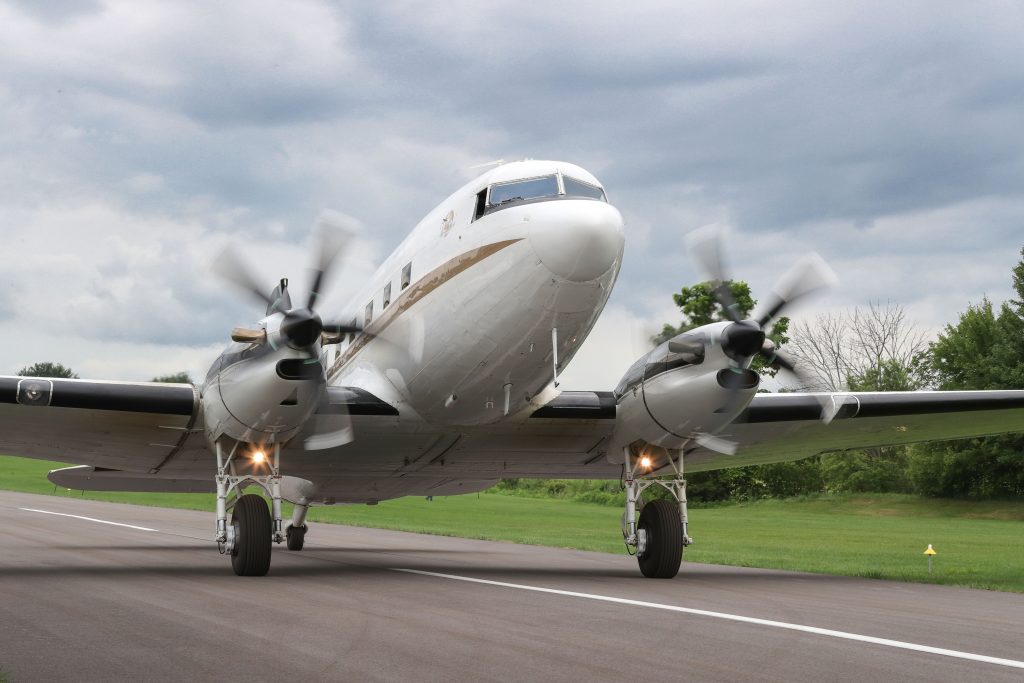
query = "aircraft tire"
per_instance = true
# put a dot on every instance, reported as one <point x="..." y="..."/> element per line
<point x="296" y="536"/>
<point x="664" y="552"/>
<point x="253" y="536"/>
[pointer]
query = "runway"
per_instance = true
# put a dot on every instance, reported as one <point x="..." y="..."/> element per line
<point x="149" y="598"/>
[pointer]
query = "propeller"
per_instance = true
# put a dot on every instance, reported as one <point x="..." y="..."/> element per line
<point x="302" y="326"/>
<point x="743" y="340"/>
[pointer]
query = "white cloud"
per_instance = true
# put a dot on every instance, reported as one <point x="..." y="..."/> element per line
<point x="138" y="137"/>
<point x="618" y="339"/>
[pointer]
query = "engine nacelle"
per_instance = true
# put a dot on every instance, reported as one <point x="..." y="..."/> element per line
<point x="258" y="394"/>
<point x="684" y="387"/>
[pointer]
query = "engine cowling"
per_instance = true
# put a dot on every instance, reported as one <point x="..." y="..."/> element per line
<point x="263" y="397"/>
<point x="683" y="387"/>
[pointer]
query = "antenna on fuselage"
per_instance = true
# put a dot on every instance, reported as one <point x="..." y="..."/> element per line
<point x="496" y="162"/>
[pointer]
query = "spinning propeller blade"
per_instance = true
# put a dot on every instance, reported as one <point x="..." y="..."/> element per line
<point x="745" y="339"/>
<point x="230" y="266"/>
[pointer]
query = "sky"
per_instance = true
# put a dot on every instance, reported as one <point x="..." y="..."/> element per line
<point x="138" y="138"/>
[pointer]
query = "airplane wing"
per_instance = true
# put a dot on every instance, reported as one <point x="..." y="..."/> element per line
<point x="153" y="431"/>
<point x="572" y="436"/>
<point x="782" y="427"/>
<point x="135" y="426"/>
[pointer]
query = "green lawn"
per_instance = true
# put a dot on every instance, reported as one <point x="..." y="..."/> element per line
<point x="880" y="536"/>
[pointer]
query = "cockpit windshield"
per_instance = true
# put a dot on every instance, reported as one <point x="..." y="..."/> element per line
<point x="520" y="190"/>
<point x="529" y="190"/>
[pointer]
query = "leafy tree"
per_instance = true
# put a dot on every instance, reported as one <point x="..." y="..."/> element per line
<point x="984" y="350"/>
<point x="47" y="369"/>
<point x="176" y="378"/>
<point x="699" y="306"/>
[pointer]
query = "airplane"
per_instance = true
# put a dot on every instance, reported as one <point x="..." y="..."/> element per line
<point x="442" y="379"/>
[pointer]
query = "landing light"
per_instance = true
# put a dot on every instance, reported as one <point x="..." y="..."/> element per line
<point x="258" y="457"/>
<point x="645" y="462"/>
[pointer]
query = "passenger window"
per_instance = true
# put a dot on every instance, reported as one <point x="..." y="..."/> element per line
<point x="387" y="296"/>
<point x="578" y="188"/>
<point x="368" y="318"/>
<point x="406" y="275"/>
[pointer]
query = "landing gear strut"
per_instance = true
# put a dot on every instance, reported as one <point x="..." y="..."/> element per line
<point x="253" y="528"/>
<point x="660" y="536"/>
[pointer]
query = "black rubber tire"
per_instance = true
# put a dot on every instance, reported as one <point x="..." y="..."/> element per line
<point x="296" y="536"/>
<point x="664" y="552"/>
<point x="253" y="536"/>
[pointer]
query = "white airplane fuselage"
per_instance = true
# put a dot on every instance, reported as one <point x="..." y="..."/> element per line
<point x="469" y="338"/>
<point x="472" y="317"/>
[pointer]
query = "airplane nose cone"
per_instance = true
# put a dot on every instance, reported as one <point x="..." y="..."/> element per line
<point x="578" y="240"/>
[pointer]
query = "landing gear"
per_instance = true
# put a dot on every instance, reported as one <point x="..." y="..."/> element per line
<point x="661" y="535"/>
<point x="247" y="539"/>
<point x="296" y="531"/>
<point x="296" y="537"/>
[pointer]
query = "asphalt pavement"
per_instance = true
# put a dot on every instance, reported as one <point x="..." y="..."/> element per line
<point x="103" y="591"/>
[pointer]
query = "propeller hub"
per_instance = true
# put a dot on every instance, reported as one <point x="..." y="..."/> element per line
<point x="742" y="339"/>
<point x="302" y="327"/>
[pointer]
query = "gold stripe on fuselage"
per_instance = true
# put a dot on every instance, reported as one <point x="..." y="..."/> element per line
<point x="415" y="292"/>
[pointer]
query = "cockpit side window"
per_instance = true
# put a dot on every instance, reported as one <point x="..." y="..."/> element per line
<point x="481" y="204"/>
<point x="578" y="188"/>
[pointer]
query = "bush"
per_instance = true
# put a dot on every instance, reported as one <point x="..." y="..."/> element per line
<point x="877" y="470"/>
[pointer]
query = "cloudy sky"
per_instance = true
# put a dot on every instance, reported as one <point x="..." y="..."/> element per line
<point x="137" y="138"/>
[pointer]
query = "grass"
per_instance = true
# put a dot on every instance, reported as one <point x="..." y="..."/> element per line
<point x="883" y="536"/>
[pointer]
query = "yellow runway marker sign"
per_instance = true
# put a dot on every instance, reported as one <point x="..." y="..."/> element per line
<point x="929" y="551"/>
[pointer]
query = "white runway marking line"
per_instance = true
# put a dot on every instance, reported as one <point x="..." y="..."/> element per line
<point x="736" y="617"/>
<point x="88" y="519"/>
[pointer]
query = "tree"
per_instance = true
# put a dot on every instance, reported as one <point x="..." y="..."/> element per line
<point x="176" y="378"/>
<point x="47" y="369"/>
<point x="873" y="348"/>
<point x="984" y="350"/>
<point x="700" y="307"/>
